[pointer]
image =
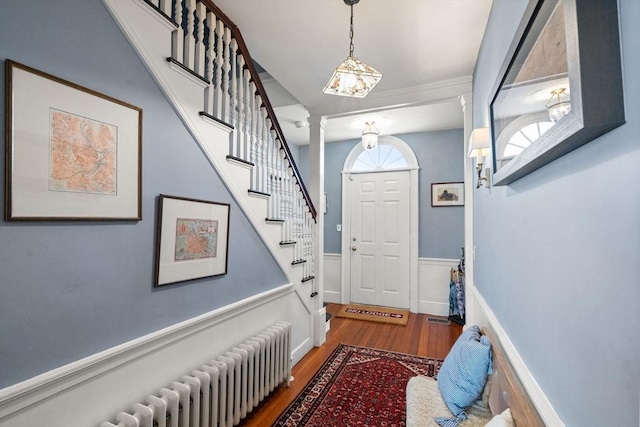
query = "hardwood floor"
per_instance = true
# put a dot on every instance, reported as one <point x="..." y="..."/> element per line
<point x="419" y="337"/>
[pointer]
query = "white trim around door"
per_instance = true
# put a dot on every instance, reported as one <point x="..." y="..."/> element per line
<point x="412" y="167"/>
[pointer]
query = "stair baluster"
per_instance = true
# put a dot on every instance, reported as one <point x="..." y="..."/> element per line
<point x="226" y="68"/>
<point x="189" y="41"/>
<point x="219" y="68"/>
<point x="165" y="7"/>
<point x="209" y="93"/>
<point x="249" y="95"/>
<point x="177" y="39"/>
<point x="233" y="96"/>
<point x="255" y="105"/>
<point x="199" y="65"/>
<point x="240" y="132"/>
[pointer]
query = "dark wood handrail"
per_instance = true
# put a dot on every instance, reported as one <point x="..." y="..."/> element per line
<point x="235" y="31"/>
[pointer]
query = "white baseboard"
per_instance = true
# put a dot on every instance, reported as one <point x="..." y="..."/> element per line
<point x="332" y="296"/>
<point x="485" y="317"/>
<point x="433" y="283"/>
<point x="435" y="308"/>
<point x="298" y="353"/>
<point x="94" y="389"/>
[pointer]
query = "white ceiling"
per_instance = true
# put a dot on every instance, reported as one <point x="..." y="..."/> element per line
<point x="426" y="50"/>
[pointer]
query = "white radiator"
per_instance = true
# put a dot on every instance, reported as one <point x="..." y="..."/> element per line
<point x="221" y="392"/>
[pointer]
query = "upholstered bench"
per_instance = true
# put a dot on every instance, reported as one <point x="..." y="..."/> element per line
<point x="424" y="402"/>
<point x="503" y="394"/>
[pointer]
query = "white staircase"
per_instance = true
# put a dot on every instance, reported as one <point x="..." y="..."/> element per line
<point x="201" y="67"/>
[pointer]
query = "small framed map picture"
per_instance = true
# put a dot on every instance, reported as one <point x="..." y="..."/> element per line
<point x="71" y="153"/>
<point x="192" y="239"/>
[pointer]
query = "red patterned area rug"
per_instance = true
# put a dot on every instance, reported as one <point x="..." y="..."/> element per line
<point x="358" y="386"/>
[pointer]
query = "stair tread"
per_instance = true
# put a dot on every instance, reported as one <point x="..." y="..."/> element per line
<point x="239" y="160"/>
<point x="298" y="261"/>
<point x="215" y="119"/>
<point x="274" y="219"/>
<point x="258" y="193"/>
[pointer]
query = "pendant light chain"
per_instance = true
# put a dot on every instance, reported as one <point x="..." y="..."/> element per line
<point x="351" y="33"/>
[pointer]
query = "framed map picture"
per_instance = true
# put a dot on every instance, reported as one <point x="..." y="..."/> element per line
<point x="71" y="153"/>
<point x="447" y="194"/>
<point x="192" y="239"/>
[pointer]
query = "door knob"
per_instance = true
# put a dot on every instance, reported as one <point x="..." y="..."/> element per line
<point x="353" y="248"/>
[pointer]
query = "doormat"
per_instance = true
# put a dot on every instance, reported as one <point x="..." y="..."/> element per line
<point x="375" y="314"/>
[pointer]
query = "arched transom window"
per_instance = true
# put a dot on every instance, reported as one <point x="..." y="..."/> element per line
<point x="380" y="158"/>
<point x="524" y="137"/>
<point x="520" y="134"/>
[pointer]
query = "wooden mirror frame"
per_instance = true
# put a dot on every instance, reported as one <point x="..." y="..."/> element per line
<point x="595" y="77"/>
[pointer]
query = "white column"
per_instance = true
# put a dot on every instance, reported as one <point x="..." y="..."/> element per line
<point x="316" y="191"/>
<point x="469" y="188"/>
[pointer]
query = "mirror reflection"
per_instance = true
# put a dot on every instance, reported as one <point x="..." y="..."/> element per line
<point x="535" y="93"/>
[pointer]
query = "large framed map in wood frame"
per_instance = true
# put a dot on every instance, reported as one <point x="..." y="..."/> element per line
<point x="192" y="239"/>
<point x="71" y="153"/>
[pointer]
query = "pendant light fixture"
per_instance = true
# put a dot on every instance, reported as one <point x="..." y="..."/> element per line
<point x="370" y="136"/>
<point x="353" y="77"/>
<point x="559" y="105"/>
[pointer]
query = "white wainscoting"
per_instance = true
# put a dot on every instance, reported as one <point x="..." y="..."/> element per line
<point x="433" y="283"/>
<point x="332" y="278"/>
<point x="92" y="390"/>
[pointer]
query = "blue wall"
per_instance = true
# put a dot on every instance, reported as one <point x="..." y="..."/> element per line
<point x="440" y="157"/>
<point x="68" y="290"/>
<point x="558" y="251"/>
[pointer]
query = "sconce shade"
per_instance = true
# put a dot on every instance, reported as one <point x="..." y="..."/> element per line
<point x="479" y="146"/>
<point x="370" y="136"/>
<point x="479" y="143"/>
<point x="559" y="105"/>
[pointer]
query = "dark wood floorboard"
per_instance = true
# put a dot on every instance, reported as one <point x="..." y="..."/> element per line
<point x="419" y="337"/>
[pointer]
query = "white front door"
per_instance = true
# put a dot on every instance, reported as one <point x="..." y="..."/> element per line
<point x="380" y="240"/>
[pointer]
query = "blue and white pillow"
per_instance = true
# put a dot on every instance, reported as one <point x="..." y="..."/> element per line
<point x="464" y="373"/>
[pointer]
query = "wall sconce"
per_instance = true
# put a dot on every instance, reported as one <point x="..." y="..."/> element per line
<point x="479" y="145"/>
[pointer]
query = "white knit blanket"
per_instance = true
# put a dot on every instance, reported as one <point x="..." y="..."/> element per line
<point x="424" y="402"/>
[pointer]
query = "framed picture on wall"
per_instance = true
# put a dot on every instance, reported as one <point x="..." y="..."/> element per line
<point x="447" y="194"/>
<point x="71" y="153"/>
<point x="192" y="239"/>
